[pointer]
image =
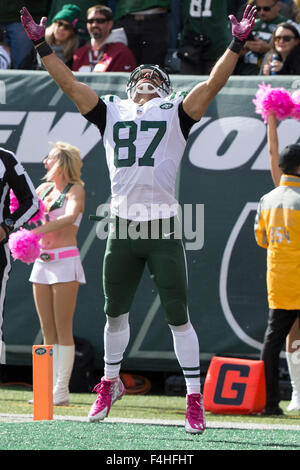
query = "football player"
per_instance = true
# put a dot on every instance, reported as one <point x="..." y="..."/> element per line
<point x="145" y="137"/>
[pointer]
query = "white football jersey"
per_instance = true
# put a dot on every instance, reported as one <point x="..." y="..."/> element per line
<point x="144" y="146"/>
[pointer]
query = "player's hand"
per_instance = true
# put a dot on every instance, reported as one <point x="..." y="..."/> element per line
<point x="35" y="32"/>
<point x="241" y="30"/>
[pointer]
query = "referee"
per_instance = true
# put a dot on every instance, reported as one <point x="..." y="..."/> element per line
<point x="12" y="176"/>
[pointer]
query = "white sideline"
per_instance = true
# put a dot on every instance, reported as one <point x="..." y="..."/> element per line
<point x="10" y="418"/>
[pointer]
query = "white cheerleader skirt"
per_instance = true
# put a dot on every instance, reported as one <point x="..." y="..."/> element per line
<point x="58" y="265"/>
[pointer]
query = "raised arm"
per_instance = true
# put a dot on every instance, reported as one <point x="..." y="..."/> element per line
<point x="81" y="94"/>
<point x="273" y="148"/>
<point x="197" y="101"/>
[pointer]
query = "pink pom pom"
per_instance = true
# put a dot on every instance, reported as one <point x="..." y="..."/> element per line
<point x="276" y="100"/>
<point x="39" y="215"/>
<point x="13" y="203"/>
<point x="24" y="245"/>
<point x="296" y="110"/>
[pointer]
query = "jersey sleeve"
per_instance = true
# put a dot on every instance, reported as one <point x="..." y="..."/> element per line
<point x="19" y="181"/>
<point x="260" y="229"/>
<point x="186" y="122"/>
<point x="97" y="115"/>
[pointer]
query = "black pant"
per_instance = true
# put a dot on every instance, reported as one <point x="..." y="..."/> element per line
<point x="279" y="324"/>
<point x="4" y="274"/>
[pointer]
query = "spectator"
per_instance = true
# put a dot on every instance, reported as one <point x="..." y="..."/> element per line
<point x="146" y="27"/>
<point x="56" y="275"/>
<point x="13" y="32"/>
<point x="292" y="341"/>
<point x="277" y="230"/>
<point x="205" y="36"/>
<point x="62" y="37"/>
<point x="56" y="6"/>
<point x="5" y="57"/>
<point x="284" y="55"/>
<point x="259" y="44"/>
<point x="286" y="7"/>
<point x="107" y="51"/>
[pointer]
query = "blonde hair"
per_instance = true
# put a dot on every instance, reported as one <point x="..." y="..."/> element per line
<point x="68" y="162"/>
<point x="68" y="47"/>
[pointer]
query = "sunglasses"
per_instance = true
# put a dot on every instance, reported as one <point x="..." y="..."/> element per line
<point x="97" y="20"/>
<point x="284" y="38"/>
<point x="66" y="26"/>
<point x="266" y="8"/>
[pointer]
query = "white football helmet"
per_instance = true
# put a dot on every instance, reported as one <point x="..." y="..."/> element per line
<point x="163" y="88"/>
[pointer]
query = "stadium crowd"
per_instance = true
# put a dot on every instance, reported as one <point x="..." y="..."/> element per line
<point x="183" y="36"/>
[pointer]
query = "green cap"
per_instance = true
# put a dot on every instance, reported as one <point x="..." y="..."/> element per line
<point x="69" y="12"/>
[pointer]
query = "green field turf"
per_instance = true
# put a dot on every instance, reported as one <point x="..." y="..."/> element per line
<point x="137" y="422"/>
<point x="72" y="435"/>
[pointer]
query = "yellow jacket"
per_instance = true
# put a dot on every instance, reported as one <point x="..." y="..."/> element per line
<point x="277" y="228"/>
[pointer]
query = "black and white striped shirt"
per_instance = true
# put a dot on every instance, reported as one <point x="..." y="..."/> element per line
<point x="5" y="59"/>
<point x="13" y="176"/>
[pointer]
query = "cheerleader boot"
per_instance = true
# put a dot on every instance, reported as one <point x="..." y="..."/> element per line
<point x="294" y="371"/>
<point x="61" y="394"/>
<point x="55" y="363"/>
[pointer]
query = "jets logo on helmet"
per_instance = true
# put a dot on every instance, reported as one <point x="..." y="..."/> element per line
<point x="148" y="79"/>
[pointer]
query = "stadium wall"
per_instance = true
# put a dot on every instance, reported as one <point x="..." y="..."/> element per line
<point x="223" y="174"/>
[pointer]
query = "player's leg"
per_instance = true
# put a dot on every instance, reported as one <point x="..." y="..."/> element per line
<point x="64" y="303"/>
<point x="122" y="272"/>
<point x="167" y="265"/>
<point x="116" y="339"/>
<point x="5" y="267"/>
<point x="279" y="324"/>
<point x="43" y="299"/>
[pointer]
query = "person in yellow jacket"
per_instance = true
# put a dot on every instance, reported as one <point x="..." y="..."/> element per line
<point x="277" y="228"/>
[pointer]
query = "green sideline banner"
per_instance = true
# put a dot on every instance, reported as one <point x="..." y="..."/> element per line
<point x="223" y="174"/>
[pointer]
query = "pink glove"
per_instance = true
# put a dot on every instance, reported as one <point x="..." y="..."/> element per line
<point x="34" y="31"/>
<point x="241" y="30"/>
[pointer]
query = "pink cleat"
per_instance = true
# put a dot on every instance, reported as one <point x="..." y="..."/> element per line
<point x="195" y="415"/>
<point x="108" y="392"/>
